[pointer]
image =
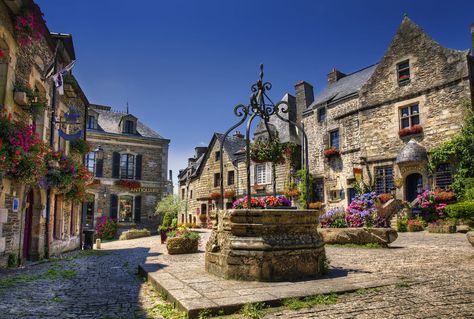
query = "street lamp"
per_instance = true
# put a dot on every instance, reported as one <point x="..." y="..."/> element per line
<point x="99" y="153"/>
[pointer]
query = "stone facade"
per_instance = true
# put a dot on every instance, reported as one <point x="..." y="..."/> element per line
<point x="32" y="232"/>
<point x="147" y="169"/>
<point x="417" y="83"/>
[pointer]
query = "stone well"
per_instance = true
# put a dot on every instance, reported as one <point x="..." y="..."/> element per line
<point x="265" y="244"/>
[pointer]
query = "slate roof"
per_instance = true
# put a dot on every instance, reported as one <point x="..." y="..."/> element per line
<point x="232" y="145"/>
<point x="109" y="122"/>
<point x="345" y="86"/>
<point x="412" y="152"/>
<point x="286" y="131"/>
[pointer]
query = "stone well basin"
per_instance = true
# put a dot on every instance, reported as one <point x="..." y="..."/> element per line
<point x="265" y="244"/>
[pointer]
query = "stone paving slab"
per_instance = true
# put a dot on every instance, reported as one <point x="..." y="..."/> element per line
<point x="184" y="281"/>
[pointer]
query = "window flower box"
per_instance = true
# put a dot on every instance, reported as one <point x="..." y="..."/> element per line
<point x="332" y="151"/>
<point x="215" y="195"/>
<point x="415" y="129"/>
<point x="229" y="194"/>
<point x="127" y="183"/>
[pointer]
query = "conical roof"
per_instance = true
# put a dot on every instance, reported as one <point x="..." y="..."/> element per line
<point x="412" y="152"/>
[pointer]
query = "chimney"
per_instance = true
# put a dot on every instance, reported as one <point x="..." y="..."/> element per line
<point x="335" y="75"/>
<point x="199" y="151"/>
<point x="171" y="175"/>
<point x="191" y="161"/>
<point x="238" y="134"/>
<point x="304" y="98"/>
<point x="472" y="37"/>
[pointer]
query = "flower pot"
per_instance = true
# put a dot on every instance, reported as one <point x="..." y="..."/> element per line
<point x="163" y="236"/>
<point x="20" y="98"/>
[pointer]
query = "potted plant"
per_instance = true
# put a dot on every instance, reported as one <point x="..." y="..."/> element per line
<point x="415" y="225"/>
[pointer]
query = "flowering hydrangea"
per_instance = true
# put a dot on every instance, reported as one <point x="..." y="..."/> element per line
<point x="433" y="204"/>
<point x="333" y="218"/>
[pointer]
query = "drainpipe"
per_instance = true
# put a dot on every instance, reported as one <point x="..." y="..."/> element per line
<point x="51" y="144"/>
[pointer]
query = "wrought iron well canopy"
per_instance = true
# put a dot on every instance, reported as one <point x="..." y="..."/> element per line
<point x="261" y="106"/>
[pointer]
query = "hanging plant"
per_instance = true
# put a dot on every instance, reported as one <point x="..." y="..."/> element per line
<point x="215" y="195"/>
<point x="228" y="194"/>
<point x="29" y="26"/>
<point x="80" y="146"/>
<point x="265" y="150"/>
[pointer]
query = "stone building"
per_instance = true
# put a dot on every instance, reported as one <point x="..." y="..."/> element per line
<point x="382" y="121"/>
<point x="35" y="222"/>
<point x="130" y="164"/>
<point x="199" y="182"/>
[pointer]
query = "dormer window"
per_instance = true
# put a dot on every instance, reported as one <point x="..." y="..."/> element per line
<point x="321" y="114"/>
<point x="403" y="72"/>
<point x="129" y="127"/>
<point x="91" y="122"/>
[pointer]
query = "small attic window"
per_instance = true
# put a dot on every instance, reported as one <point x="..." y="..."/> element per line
<point x="321" y="114"/>
<point x="403" y="72"/>
<point x="91" y="122"/>
<point x="129" y="127"/>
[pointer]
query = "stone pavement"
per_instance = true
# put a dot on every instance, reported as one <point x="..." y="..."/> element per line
<point x="438" y="268"/>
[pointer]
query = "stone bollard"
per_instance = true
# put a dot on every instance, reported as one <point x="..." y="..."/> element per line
<point x="97" y="243"/>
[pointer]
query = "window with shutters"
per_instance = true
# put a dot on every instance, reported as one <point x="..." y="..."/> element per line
<point x="444" y="176"/>
<point x="384" y="179"/>
<point x="127" y="166"/>
<point x="217" y="179"/>
<point x="90" y="162"/>
<point x="261" y="174"/>
<point x="230" y="178"/>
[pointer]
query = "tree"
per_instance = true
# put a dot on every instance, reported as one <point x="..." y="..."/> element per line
<point x="170" y="205"/>
<point x="459" y="151"/>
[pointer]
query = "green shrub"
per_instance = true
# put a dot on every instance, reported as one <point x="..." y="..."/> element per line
<point x="469" y="194"/>
<point x="12" y="260"/>
<point x="402" y="225"/>
<point x="461" y="210"/>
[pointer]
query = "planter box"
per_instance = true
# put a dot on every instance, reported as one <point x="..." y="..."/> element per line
<point x="21" y="98"/>
<point x="265" y="244"/>
<point x="358" y="236"/>
<point x="442" y="229"/>
<point x="177" y="245"/>
<point x="470" y="237"/>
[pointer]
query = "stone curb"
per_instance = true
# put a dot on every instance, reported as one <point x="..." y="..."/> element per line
<point x="193" y="306"/>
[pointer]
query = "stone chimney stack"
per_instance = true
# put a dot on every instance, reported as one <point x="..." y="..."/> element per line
<point x="472" y="37"/>
<point x="199" y="151"/>
<point x="304" y="98"/>
<point x="238" y="134"/>
<point x="335" y="75"/>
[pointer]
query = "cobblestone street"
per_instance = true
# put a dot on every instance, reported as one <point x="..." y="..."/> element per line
<point x="438" y="271"/>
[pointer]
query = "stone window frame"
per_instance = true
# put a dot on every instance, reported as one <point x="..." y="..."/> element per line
<point x="134" y="164"/>
<point x="262" y="176"/>
<point x="229" y="179"/>
<point x="338" y="138"/>
<point x="410" y="115"/>
<point x="217" y="155"/>
<point x="321" y="116"/>
<point x="405" y="78"/>
<point x="388" y="184"/>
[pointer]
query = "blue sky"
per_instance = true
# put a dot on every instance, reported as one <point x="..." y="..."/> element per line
<point x="184" y="65"/>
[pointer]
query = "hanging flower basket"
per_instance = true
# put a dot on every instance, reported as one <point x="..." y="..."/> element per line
<point x="332" y="151"/>
<point x="415" y="129"/>
<point x="293" y="193"/>
<point x="215" y="195"/>
<point x="264" y="150"/>
<point x="80" y="146"/>
<point x="29" y="26"/>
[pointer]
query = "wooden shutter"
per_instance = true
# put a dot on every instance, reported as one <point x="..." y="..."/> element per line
<point x="99" y="168"/>
<point x="116" y="165"/>
<point x="252" y="174"/>
<point x="268" y="172"/>
<point x="138" y="166"/>
<point x="113" y="206"/>
<point x="138" y="209"/>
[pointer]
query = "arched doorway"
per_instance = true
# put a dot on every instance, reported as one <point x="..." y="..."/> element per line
<point x="27" y="234"/>
<point x="413" y="186"/>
